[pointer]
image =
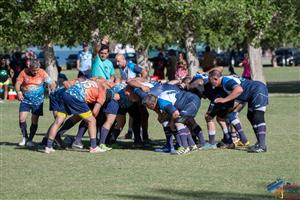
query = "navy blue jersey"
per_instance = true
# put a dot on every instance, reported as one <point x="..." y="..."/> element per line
<point x="156" y="89"/>
<point x="250" y="88"/>
<point x="172" y="100"/>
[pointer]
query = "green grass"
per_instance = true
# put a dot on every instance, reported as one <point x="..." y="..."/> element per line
<point x="143" y="174"/>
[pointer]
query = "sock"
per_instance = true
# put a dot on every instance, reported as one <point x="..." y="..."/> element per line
<point x="183" y="134"/>
<point x="169" y="137"/>
<point x="103" y="135"/>
<point x="23" y="127"/>
<point x="237" y="125"/>
<point x="191" y="142"/>
<point x="177" y="136"/>
<point x="81" y="131"/>
<point x="211" y="137"/>
<point x="65" y="127"/>
<point x="33" y="129"/>
<point x="49" y="143"/>
<point x="198" y="132"/>
<point x="261" y="128"/>
<point x="145" y="134"/>
<point x="255" y="131"/>
<point x="93" y="142"/>
<point x="227" y="136"/>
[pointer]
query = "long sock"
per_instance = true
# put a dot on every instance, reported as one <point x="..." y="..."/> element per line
<point x="261" y="128"/>
<point x="256" y="132"/>
<point x="211" y="137"/>
<point x="93" y="142"/>
<point x="178" y="139"/>
<point x="145" y="134"/>
<point x="65" y="127"/>
<point x="23" y="127"/>
<point x="199" y="133"/>
<point x="238" y="127"/>
<point x="183" y="133"/>
<point x="49" y="143"/>
<point x="33" y="129"/>
<point x="227" y="136"/>
<point x="81" y="131"/>
<point x="103" y="135"/>
<point x="191" y="141"/>
<point x="169" y="137"/>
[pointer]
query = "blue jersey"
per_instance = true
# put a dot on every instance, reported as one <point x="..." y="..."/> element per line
<point x="172" y="100"/>
<point x="156" y="89"/>
<point x="124" y="102"/>
<point x="250" y="88"/>
<point x="130" y="71"/>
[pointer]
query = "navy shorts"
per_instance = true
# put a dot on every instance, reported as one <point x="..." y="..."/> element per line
<point x="35" y="109"/>
<point x="111" y="107"/>
<point x="219" y="109"/>
<point x="190" y="110"/>
<point x="56" y="100"/>
<point x="259" y="98"/>
<point x="73" y="106"/>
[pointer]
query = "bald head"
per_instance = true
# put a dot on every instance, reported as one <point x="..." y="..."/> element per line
<point x="120" y="60"/>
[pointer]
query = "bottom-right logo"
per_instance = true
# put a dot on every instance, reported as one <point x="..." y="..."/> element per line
<point x="284" y="190"/>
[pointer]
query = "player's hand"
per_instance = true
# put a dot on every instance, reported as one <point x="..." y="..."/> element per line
<point x="20" y="96"/>
<point x="220" y="100"/>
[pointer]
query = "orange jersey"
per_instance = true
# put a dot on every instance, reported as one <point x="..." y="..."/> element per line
<point x="90" y="91"/>
<point x="27" y="81"/>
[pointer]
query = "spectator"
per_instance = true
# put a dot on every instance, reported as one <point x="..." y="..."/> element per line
<point x="182" y="68"/>
<point x="209" y="60"/>
<point x="171" y="67"/>
<point x="159" y="64"/>
<point x="84" y="62"/>
<point x="103" y="67"/>
<point x="246" y="65"/>
<point x="17" y="65"/>
<point x="4" y="77"/>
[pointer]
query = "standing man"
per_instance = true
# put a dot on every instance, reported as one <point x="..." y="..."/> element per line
<point x="84" y="62"/>
<point x="30" y="90"/>
<point x="101" y="66"/>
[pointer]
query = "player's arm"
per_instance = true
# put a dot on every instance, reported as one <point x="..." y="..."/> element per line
<point x="136" y="83"/>
<point x="18" y="90"/>
<point x="233" y="95"/>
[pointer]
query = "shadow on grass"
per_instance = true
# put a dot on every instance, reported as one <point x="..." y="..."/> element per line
<point x="284" y="87"/>
<point x="165" y="194"/>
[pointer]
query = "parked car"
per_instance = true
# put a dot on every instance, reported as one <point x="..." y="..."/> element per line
<point x="71" y="61"/>
<point x="288" y="56"/>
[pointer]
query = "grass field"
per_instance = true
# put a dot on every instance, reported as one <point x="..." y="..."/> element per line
<point x="143" y="174"/>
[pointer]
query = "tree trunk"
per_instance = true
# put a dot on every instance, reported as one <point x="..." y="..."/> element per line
<point x="191" y="54"/>
<point x="50" y="61"/>
<point x="255" y="63"/>
<point x="142" y="59"/>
